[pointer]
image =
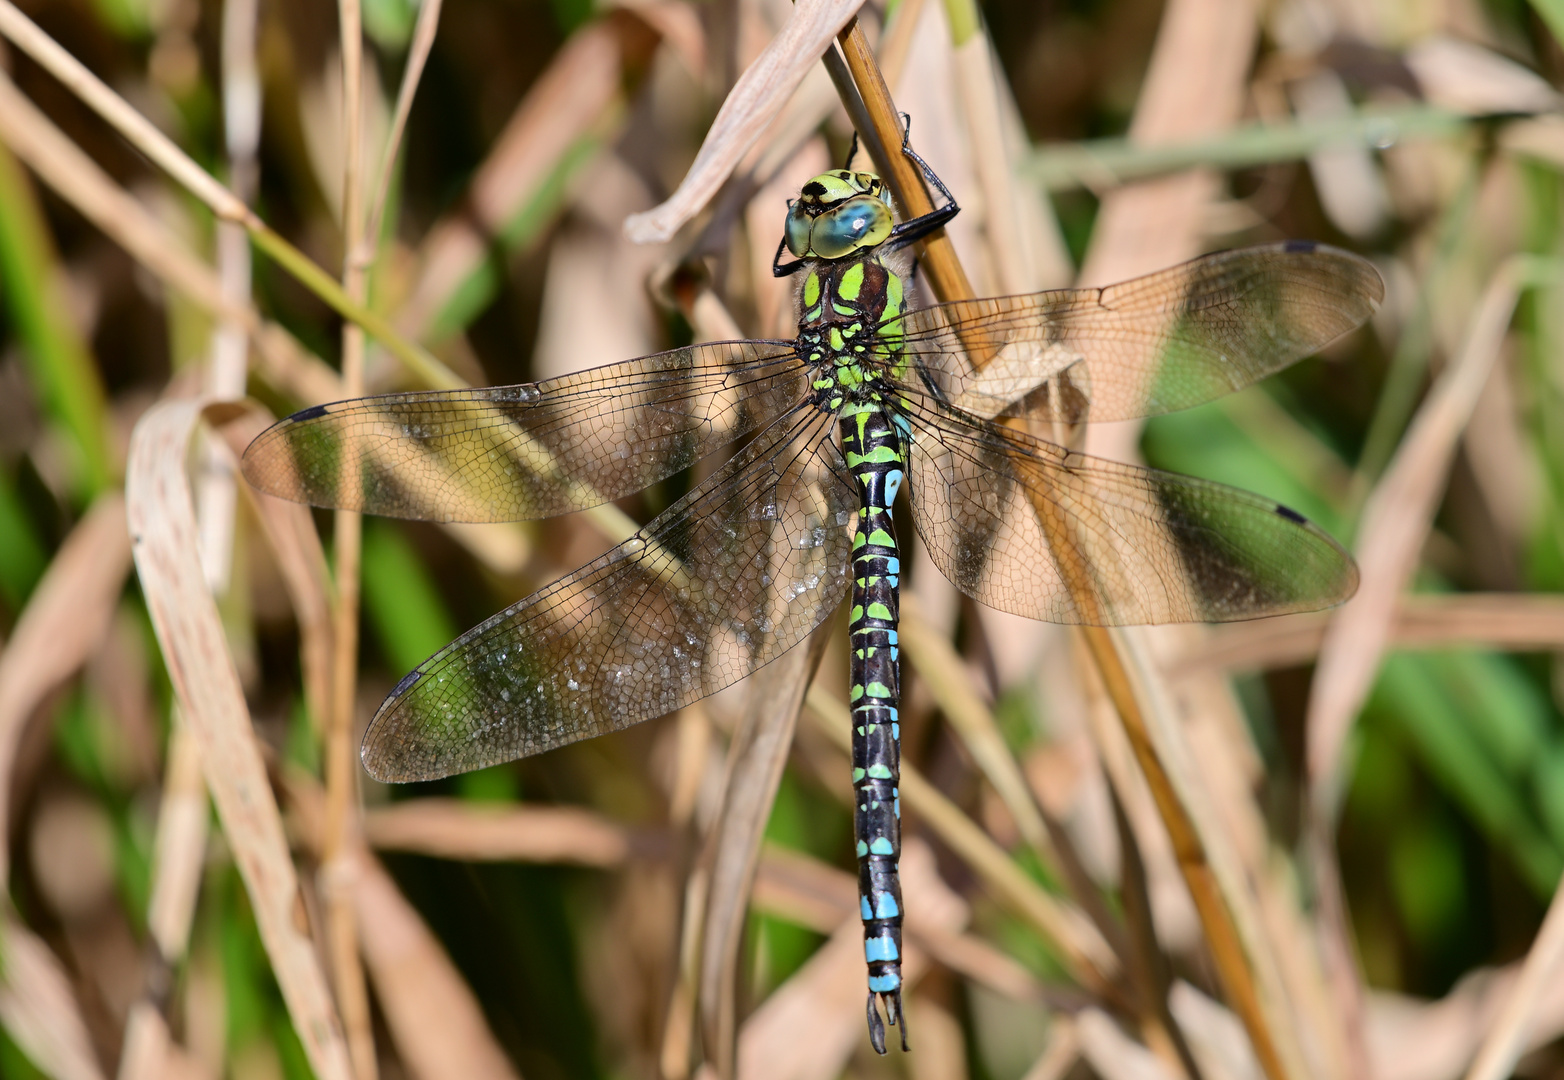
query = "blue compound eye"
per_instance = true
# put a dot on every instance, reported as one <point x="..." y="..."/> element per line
<point x="796" y="230"/>
<point x="861" y="222"/>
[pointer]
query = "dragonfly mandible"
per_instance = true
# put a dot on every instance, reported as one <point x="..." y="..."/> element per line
<point x="947" y="402"/>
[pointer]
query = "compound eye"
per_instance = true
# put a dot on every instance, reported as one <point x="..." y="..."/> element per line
<point x="796" y="230"/>
<point x="859" y="223"/>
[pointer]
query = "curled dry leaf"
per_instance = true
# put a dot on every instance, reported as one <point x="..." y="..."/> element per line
<point x="1468" y="78"/>
<point x="754" y="102"/>
<point x="185" y="619"/>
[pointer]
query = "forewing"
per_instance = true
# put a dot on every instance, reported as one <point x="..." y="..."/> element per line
<point x="1166" y="341"/>
<point x="726" y="580"/>
<point x="512" y="453"/>
<point x="1027" y="527"/>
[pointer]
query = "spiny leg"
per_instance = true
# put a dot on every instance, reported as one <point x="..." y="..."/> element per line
<point x="909" y="232"/>
<point x="873" y="442"/>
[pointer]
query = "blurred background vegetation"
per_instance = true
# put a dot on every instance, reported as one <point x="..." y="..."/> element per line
<point x="1425" y="135"/>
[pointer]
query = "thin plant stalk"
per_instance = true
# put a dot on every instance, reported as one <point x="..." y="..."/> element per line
<point x="950" y="283"/>
<point x="341" y="825"/>
<point x="417" y="56"/>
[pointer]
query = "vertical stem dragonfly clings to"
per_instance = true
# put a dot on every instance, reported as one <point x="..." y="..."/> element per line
<point x="941" y="400"/>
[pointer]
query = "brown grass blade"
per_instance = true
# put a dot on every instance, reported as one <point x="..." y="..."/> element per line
<point x="295" y="545"/>
<point x="824" y="998"/>
<point x="38" y="1010"/>
<point x="454" y="829"/>
<point x="801" y="889"/>
<point x="188" y="628"/>
<point x="67" y="615"/>
<point x="755" y="101"/>
<point x="435" y="1020"/>
<point x="1395" y="522"/>
<point x="755" y="761"/>
<point x="1525" y="622"/>
<point x="1508" y="1035"/>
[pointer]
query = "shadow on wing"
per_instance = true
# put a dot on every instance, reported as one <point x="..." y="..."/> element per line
<point x="1027" y="527"/>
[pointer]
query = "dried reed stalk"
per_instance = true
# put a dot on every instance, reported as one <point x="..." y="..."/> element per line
<point x="338" y="866"/>
<point x="1222" y="935"/>
<point x="185" y="618"/>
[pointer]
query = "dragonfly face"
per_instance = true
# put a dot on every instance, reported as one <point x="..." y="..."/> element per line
<point x="937" y="401"/>
<point x="838" y="214"/>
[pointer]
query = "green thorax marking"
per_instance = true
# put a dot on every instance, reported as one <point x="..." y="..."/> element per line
<point x="850" y="313"/>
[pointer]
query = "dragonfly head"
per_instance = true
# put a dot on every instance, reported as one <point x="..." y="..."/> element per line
<point x="838" y="214"/>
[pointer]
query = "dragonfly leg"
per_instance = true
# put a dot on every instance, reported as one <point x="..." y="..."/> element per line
<point x="778" y="268"/>
<point x="909" y="232"/>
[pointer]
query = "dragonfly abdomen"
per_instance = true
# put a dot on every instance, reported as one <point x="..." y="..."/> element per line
<point x="873" y="442"/>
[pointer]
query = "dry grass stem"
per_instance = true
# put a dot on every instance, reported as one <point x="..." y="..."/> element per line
<point x="1420" y="621"/>
<point x="339" y="867"/>
<point x="1507" y="1037"/>
<point x="63" y="166"/>
<point x="417" y="56"/>
<point x="451" y="829"/>
<point x="26" y="35"/>
<point x="222" y="202"/>
<point x="162" y="522"/>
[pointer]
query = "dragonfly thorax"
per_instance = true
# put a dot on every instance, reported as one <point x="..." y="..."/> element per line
<point x="849" y="324"/>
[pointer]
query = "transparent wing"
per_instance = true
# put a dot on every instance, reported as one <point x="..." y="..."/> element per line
<point x="1030" y="528"/>
<point x="512" y="453"/>
<point x="1163" y="342"/>
<point x="726" y="580"/>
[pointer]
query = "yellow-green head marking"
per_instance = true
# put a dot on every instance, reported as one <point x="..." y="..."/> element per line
<point x="839" y="214"/>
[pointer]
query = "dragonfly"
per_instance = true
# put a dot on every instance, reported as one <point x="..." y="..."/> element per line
<point x="954" y="405"/>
